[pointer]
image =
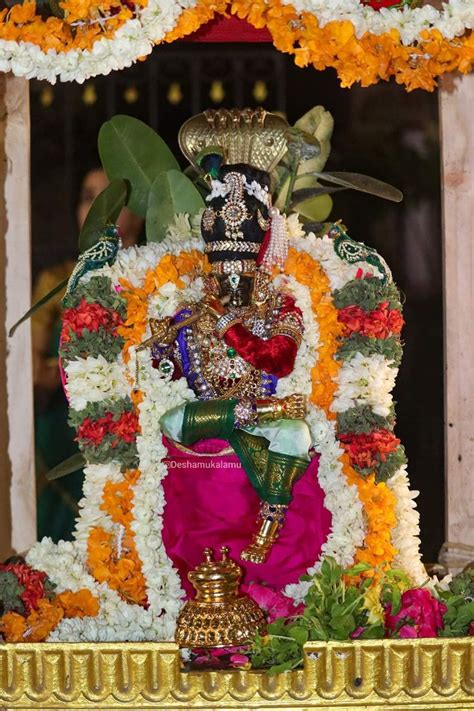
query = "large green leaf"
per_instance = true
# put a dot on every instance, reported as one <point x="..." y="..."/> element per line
<point x="44" y="300"/>
<point x="172" y="193"/>
<point x="131" y="150"/>
<point x="70" y="465"/>
<point x="104" y="211"/>
<point x="363" y="183"/>
<point x="305" y="194"/>
<point x="316" y="209"/>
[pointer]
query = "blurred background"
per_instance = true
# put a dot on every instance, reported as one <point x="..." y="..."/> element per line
<point x="382" y="131"/>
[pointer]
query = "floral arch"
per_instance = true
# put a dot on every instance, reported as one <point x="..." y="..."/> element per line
<point x="363" y="41"/>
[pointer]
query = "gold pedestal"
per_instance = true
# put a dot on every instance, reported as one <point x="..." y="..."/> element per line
<point x="377" y="675"/>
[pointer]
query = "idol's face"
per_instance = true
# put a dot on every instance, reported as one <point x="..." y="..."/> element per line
<point x="235" y="294"/>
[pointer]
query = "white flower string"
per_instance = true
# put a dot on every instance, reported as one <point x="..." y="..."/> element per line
<point x="137" y="37"/>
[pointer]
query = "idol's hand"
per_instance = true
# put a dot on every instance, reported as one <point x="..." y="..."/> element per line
<point x="291" y="407"/>
<point x="294" y="406"/>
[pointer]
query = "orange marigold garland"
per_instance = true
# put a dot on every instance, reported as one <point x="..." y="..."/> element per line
<point x="170" y="268"/>
<point x="377" y="499"/>
<point x="112" y="556"/>
<point x="413" y="48"/>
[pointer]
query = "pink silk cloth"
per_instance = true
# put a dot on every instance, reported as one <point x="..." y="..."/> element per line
<point x="210" y="503"/>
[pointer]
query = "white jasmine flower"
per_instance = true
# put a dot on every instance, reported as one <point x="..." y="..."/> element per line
<point x="365" y="380"/>
<point x="94" y="379"/>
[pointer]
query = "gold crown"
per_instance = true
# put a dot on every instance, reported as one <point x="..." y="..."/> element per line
<point x="252" y="136"/>
<point x="219" y="616"/>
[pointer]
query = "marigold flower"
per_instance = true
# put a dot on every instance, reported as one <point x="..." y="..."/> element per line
<point x="78" y="604"/>
<point x="12" y="627"/>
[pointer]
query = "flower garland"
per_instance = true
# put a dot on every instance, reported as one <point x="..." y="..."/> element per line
<point x="328" y="380"/>
<point x="30" y="607"/>
<point x="118" y="552"/>
<point x="113" y="557"/>
<point x="414" y="45"/>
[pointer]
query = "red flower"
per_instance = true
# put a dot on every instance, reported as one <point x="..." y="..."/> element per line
<point x="379" y="323"/>
<point x="125" y="428"/>
<point x="421" y="615"/>
<point x="92" y="432"/>
<point x="272" y="602"/>
<point x="32" y="580"/>
<point x="90" y="317"/>
<point x="367" y="450"/>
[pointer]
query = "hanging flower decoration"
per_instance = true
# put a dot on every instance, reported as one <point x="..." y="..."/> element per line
<point x="365" y="41"/>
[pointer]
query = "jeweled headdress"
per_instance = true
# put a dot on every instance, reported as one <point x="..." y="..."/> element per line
<point x="237" y="150"/>
<point x="252" y="136"/>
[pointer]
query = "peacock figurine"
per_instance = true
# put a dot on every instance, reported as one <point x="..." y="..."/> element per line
<point x="103" y="252"/>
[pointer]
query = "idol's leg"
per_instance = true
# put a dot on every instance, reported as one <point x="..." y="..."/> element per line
<point x="282" y="471"/>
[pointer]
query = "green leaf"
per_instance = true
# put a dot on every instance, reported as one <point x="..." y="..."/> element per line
<point x="299" y="634"/>
<point x="357" y="569"/>
<point x="131" y="150"/>
<point x="364" y="184"/>
<point x="317" y="209"/>
<point x="171" y="193"/>
<point x="10" y="591"/>
<point x="70" y="465"/>
<point x="373" y="632"/>
<point x="44" y="300"/>
<point x="104" y="211"/>
<point x="304" y="194"/>
<point x="285" y="666"/>
<point x="396" y="600"/>
<point x="343" y="625"/>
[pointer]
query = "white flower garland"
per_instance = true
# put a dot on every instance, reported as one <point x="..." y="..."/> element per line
<point x="453" y="20"/>
<point x="362" y="379"/>
<point x="93" y="380"/>
<point x="405" y="535"/>
<point x="137" y="37"/>
<point x="365" y="380"/>
<point x="340" y="498"/>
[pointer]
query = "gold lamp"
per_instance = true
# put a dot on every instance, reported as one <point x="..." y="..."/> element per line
<point x="218" y="616"/>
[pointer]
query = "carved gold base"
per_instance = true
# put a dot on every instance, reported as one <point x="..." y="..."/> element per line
<point x="382" y="674"/>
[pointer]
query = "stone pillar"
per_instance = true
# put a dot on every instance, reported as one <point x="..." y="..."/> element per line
<point x="457" y="143"/>
<point x="17" y="473"/>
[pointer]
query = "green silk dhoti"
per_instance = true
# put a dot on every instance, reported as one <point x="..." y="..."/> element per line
<point x="273" y="455"/>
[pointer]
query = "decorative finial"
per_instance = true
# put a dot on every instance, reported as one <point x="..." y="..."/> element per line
<point x="219" y="616"/>
<point x="208" y="555"/>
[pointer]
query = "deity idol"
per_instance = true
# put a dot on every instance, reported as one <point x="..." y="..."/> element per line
<point x="233" y="347"/>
